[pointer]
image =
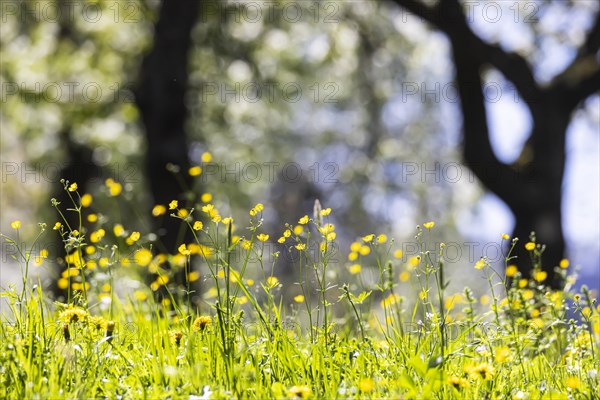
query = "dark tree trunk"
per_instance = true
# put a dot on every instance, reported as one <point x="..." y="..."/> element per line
<point x="531" y="187"/>
<point x="160" y="97"/>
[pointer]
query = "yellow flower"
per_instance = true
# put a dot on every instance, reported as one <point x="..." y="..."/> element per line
<point x="227" y="220"/>
<point x="216" y="218"/>
<point x="511" y="270"/>
<point x="174" y="204"/>
<point x="302" y="392"/>
<point x="92" y="218"/>
<point x="202" y="323"/>
<point x="564" y="263"/>
<point x="73" y="187"/>
<point x="206" y="157"/>
<point x="573" y="382"/>
<point x="86" y="200"/>
<point x="540" y="276"/>
<point x="482" y="371"/>
<point x="75" y="233"/>
<point x="183" y="250"/>
<point x="325" y="212"/>
<point x="485" y="299"/>
<point x="523" y="283"/>
<point x="262" y="237"/>
<point x="197" y="225"/>
<point x="413" y="262"/>
<point x="193" y="276"/>
<point x="272" y="281"/>
<point x="404" y="276"/>
<point x="382" y="238"/>
<point x="135" y="236"/>
<point x="299" y="299"/>
<point x="140" y="295"/>
<point x="365" y="250"/>
<point x="429" y="224"/>
<point x="114" y="188"/>
<point x="366" y="385"/>
<point x="206" y="197"/>
<point x="301" y="246"/>
<point x="398" y="254"/>
<point x="502" y="355"/>
<point x="118" y="230"/>
<point x="209" y="208"/>
<point x="182" y="213"/>
<point x="505" y="236"/>
<point x="368" y="238"/>
<point x="354" y="269"/>
<point x="529" y="246"/>
<point x="298" y="230"/>
<point x="246" y="245"/>
<point x="327" y="229"/>
<point x="353" y="256"/>
<point x="195" y="171"/>
<point x="480" y="264"/>
<point x="287" y="233"/>
<point x="143" y="257"/>
<point x="57" y="226"/>
<point x="72" y="314"/>
<point x="15" y="224"/>
<point x="423" y="294"/>
<point x="281" y="240"/>
<point x="158" y="210"/>
<point x="259" y="207"/>
<point x="458" y="382"/>
<point x="303" y="220"/>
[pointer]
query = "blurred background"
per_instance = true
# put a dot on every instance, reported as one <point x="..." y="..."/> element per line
<point x="390" y="119"/>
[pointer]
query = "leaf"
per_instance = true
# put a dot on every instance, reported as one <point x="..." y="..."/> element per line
<point x="419" y="365"/>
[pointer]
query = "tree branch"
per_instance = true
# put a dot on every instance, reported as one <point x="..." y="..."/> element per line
<point x="449" y="18"/>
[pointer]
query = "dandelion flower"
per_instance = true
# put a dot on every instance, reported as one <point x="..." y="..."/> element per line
<point x="202" y="323"/>
<point x="301" y="392"/>
<point x="481" y="371"/>
<point x="73" y="314"/>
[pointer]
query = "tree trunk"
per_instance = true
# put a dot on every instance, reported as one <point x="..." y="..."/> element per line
<point x="161" y="99"/>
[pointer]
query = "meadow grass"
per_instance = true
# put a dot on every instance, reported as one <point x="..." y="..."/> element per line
<point x="245" y="334"/>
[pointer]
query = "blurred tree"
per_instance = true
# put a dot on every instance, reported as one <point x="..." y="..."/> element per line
<point x="531" y="186"/>
<point x="160" y="97"/>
